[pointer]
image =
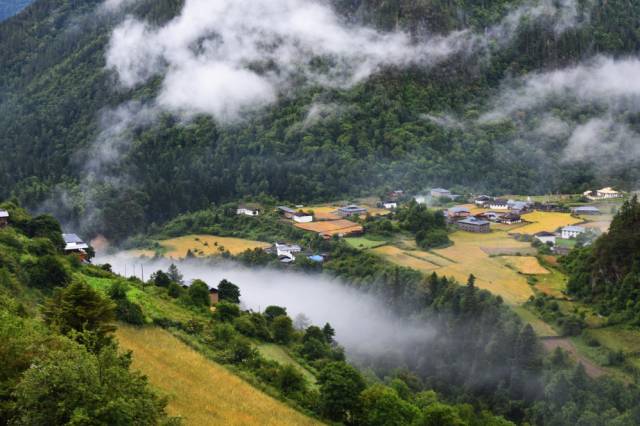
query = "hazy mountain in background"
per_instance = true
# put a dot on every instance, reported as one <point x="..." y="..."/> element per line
<point x="8" y="8"/>
<point x="126" y="113"/>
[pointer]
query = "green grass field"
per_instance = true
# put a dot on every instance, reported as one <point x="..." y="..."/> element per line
<point x="277" y="353"/>
<point x="541" y="328"/>
<point x="364" y="243"/>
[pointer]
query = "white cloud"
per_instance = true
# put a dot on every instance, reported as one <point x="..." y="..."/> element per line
<point x="222" y="57"/>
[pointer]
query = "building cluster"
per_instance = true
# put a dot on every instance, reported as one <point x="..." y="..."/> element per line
<point x="603" y="194"/>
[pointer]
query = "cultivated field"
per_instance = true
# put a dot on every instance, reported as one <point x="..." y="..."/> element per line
<point x="408" y="258"/>
<point x="527" y="265"/>
<point x="331" y="227"/>
<point x="469" y="254"/>
<point x="363" y="243"/>
<point x="207" y="245"/>
<point x="199" y="390"/>
<point x="324" y="212"/>
<point x="546" y="221"/>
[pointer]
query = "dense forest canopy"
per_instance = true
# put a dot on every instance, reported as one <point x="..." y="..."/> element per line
<point x="113" y="159"/>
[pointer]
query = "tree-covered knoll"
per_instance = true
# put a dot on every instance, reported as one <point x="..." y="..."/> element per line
<point x="607" y="273"/>
<point x="56" y="96"/>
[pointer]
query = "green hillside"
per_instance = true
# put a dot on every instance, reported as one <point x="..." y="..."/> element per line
<point x="388" y="131"/>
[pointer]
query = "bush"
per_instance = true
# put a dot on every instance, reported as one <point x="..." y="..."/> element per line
<point x="226" y="311"/>
<point x="49" y="272"/>
<point x="432" y="238"/>
<point x="129" y="312"/>
<point x="289" y="380"/>
<point x="199" y="294"/>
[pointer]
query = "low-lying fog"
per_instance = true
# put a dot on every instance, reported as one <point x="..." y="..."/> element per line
<point x="363" y="324"/>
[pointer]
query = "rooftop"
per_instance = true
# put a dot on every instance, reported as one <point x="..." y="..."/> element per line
<point x="458" y="209"/>
<point x="352" y="208"/>
<point x="286" y="209"/>
<point x="474" y="221"/>
<point x="574" y="228"/>
<point x="4" y="213"/>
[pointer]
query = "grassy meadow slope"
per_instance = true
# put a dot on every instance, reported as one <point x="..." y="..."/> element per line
<point x="199" y="390"/>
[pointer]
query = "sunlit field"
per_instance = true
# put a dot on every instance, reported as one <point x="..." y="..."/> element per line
<point x="331" y="227"/>
<point x="527" y="265"/>
<point x="363" y="243"/>
<point x="407" y="258"/>
<point x="199" y="390"/>
<point x="206" y="245"/>
<point x="546" y="221"/>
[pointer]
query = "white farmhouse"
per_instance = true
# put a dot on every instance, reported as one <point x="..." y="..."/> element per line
<point x="247" y="211"/>
<point x="569" y="232"/>
<point x="302" y="217"/>
<point x="603" y="194"/>
<point x="546" y="237"/>
<point x="499" y="204"/>
<point x="390" y="205"/>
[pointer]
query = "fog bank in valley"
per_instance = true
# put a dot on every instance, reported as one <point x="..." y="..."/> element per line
<point x="362" y="322"/>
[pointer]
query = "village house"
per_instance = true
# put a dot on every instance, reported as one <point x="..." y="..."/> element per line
<point x="473" y="224"/>
<point x="74" y="245"/>
<point x="549" y="207"/>
<point x="390" y="205"/>
<point x="395" y="195"/>
<point x="351" y="210"/>
<point x="569" y="232"/>
<point x="518" y="207"/>
<point x="440" y="193"/>
<point x="499" y="204"/>
<point x="4" y="218"/>
<point x="603" y="194"/>
<point x="545" y="237"/>
<point x="286" y="252"/>
<point x="457" y="213"/>
<point x="482" y="200"/>
<point x="492" y="216"/>
<point x="213" y="295"/>
<point x="509" y="219"/>
<point x="586" y="210"/>
<point x="287" y="211"/>
<point x="247" y="210"/>
<point x="302" y="217"/>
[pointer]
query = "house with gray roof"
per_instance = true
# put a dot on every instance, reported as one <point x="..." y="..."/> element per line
<point x="473" y="224"/>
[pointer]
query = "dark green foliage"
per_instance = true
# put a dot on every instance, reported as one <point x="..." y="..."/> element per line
<point x="77" y="309"/>
<point x="290" y="380"/>
<point x="329" y="332"/>
<point x="226" y="311"/>
<point x="73" y="386"/>
<point x="381" y="406"/>
<point x="282" y="328"/>
<point x="271" y="312"/>
<point x="198" y="293"/>
<point x="174" y="290"/>
<point x="428" y="226"/>
<point x="43" y="226"/>
<point x="340" y="387"/>
<point x="228" y="291"/>
<point x="49" y="272"/>
<point x="129" y="312"/>
<point x="161" y="279"/>
<point x="432" y="238"/>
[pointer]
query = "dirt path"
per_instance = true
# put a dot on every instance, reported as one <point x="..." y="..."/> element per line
<point x="592" y="369"/>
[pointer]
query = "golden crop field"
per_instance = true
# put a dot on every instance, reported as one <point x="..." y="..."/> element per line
<point x="341" y="226"/>
<point x="469" y="253"/>
<point x="407" y="258"/>
<point x="199" y="390"/>
<point x="324" y="212"/>
<point x="527" y="265"/>
<point x="207" y="245"/>
<point x="546" y="221"/>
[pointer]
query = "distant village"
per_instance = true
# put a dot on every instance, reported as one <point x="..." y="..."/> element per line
<point x="478" y="215"/>
<point x="487" y="212"/>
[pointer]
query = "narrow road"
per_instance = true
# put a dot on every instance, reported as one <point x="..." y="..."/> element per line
<point x="592" y="369"/>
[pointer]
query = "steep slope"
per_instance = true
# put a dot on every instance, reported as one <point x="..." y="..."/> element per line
<point x="69" y="133"/>
<point x="200" y="391"/>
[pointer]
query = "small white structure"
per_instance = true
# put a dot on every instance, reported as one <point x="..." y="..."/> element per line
<point x="286" y="249"/>
<point x="586" y="210"/>
<point x="302" y="217"/>
<point x="546" y="237"/>
<point x="603" y="194"/>
<point x="390" y="205"/>
<point x="499" y="204"/>
<point x="4" y="218"/>
<point x="73" y="243"/>
<point x="569" y="232"/>
<point x="247" y="211"/>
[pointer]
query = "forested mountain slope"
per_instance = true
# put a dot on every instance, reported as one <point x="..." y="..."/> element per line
<point x="442" y="114"/>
